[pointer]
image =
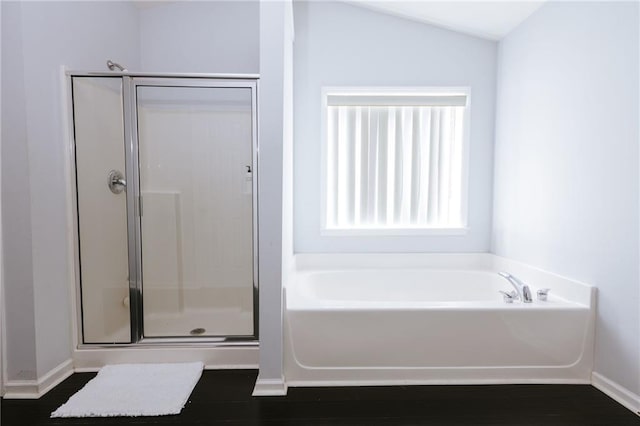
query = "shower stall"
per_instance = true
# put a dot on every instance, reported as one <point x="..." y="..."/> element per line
<point x="165" y="198"/>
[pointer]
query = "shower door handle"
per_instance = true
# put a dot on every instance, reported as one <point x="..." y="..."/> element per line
<point x="116" y="181"/>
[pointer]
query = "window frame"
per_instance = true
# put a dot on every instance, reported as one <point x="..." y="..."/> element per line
<point x="395" y="231"/>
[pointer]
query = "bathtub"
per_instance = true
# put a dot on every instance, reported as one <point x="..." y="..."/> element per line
<point x="402" y="319"/>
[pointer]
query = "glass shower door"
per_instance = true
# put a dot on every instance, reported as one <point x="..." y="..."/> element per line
<point x="196" y="160"/>
<point x="99" y="147"/>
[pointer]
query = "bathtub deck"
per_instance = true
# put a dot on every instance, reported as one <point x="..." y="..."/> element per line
<point x="224" y="397"/>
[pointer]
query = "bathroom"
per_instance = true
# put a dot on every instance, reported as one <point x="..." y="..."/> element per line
<point x="550" y="181"/>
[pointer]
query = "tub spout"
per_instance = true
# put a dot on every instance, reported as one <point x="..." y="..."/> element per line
<point x="523" y="290"/>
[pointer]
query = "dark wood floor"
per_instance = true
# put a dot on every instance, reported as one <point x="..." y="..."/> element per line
<point x="224" y="397"/>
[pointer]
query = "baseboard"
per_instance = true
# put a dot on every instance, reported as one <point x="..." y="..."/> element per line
<point x="270" y="387"/>
<point x="34" y="389"/>
<point x="435" y="382"/>
<point x="619" y="393"/>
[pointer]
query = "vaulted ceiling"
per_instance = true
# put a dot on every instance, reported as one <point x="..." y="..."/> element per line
<point x="487" y="19"/>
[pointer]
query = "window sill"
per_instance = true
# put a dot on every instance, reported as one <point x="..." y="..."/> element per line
<point x="392" y="232"/>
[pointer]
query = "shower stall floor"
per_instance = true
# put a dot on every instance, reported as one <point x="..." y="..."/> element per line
<point x="192" y="323"/>
<point x="199" y="322"/>
<point x="173" y="313"/>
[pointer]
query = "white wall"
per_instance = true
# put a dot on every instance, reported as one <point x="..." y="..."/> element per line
<point x="2" y="322"/>
<point x="342" y="45"/>
<point x="274" y="119"/>
<point x="16" y="204"/>
<point x="200" y="36"/>
<point x="79" y="35"/>
<point x="566" y="178"/>
<point x="287" y="146"/>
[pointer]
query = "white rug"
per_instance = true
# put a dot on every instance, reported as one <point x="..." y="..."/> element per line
<point x="134" y="390"/>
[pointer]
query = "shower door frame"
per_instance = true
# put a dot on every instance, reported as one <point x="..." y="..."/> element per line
<point x="130" y="82"/>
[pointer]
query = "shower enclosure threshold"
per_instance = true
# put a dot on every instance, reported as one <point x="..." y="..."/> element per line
<point x="215" y="354"/>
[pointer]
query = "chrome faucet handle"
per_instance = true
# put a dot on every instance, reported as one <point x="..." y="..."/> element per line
<point x="509" y="297"/>
<point x="543" y="293"/>
<point x="526" y="294"/>
<point x="522" y="289"/>
<point x="116" y="181"/>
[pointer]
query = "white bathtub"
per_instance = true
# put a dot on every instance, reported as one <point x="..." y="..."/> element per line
<point x="444" y="322"/>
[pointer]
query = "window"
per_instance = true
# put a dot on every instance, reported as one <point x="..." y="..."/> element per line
<point x="395" y="159"/>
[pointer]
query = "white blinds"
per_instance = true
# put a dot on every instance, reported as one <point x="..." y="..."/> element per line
<point x="394" y="166"/>
<point x="344" y="99"/>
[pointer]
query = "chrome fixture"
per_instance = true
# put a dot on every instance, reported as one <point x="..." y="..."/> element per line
<point x="116" y="182"/>
<point x="114" y="65"/>
<point x="509" y="296"/>
<point x="543" y="293"/>
<point x="522" y="290"/>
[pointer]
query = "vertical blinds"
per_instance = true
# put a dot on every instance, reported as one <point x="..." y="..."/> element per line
<point x="394" y="166"/>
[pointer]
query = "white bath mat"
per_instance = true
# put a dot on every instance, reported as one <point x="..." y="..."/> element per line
<point x="134" y="390"/>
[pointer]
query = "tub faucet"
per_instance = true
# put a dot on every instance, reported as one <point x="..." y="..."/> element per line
<point x="523" y="290"/>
